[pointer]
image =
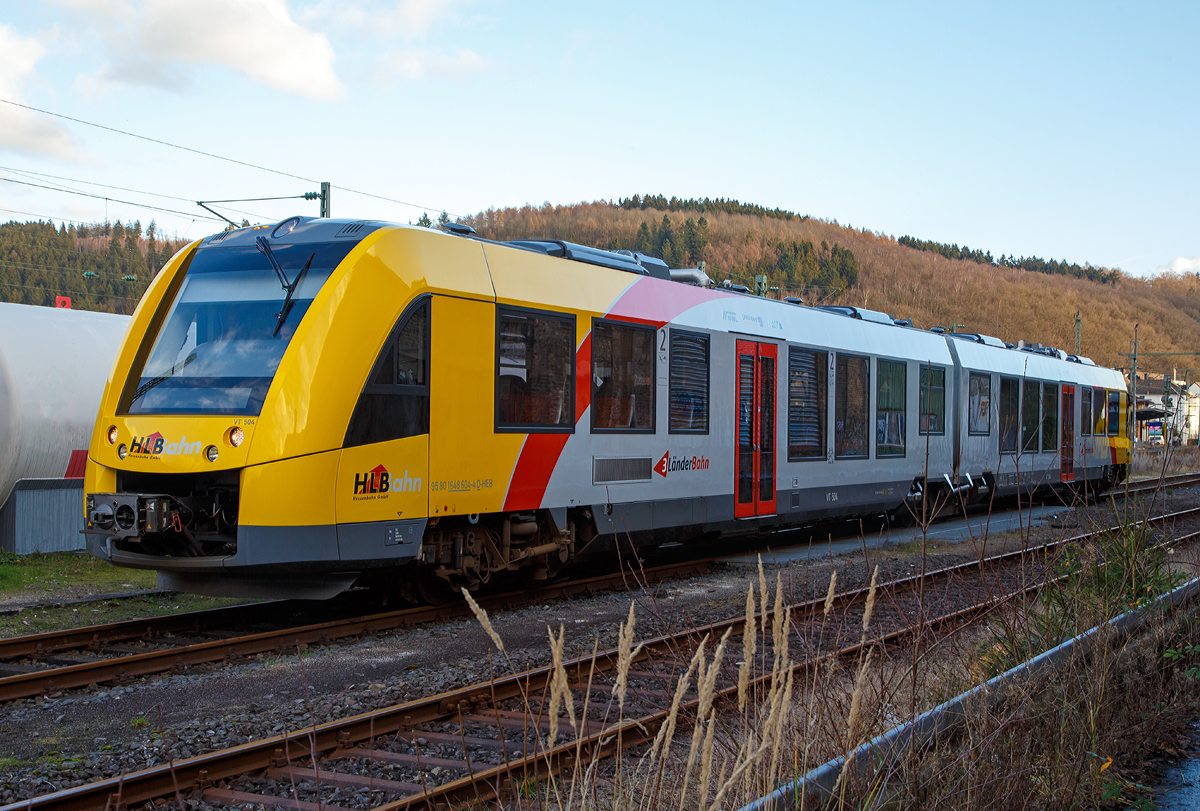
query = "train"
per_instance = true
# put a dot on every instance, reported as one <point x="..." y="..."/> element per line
<point x="320" y="404"/>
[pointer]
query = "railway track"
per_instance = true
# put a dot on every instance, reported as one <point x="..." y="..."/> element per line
<point x="1142" y="485"/>
<point x="483" y="741"/>
<point x="39" y="664"/>
<point x="41" y="667"/>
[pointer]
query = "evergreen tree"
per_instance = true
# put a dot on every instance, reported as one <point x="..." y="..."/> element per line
<point x="424" y="221"/>
<point x="644" y="243"/>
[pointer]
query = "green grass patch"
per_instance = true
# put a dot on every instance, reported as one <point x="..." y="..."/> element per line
<point x="57" y="618"/>
<point x="77" y="575"/>
<point x="74" y="574"/>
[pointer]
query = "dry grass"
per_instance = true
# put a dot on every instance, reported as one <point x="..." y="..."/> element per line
<point x="1155" y="462"/>
<point x="1074" y="739"/>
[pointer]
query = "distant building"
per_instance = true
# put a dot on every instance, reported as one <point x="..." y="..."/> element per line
<point x="1167" y="409"/>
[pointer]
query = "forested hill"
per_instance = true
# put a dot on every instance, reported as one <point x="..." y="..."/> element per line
<point x="819" y="260"/>
<point x="102" y="267"/>
<point x="1052" y="266"/>
<point x="737" y="241"/>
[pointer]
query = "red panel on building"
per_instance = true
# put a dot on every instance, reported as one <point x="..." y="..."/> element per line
<point x="76" y="466"/>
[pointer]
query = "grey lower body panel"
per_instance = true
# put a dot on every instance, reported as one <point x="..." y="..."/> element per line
<point x="647" y="523"/>
<point x="334" y="552"/>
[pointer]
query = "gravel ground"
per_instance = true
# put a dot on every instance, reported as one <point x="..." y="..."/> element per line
<point x="65" y="739"/>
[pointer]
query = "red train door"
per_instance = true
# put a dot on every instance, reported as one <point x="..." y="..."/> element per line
<point x="1067" y="454"/>
<point x="755" y="464"/>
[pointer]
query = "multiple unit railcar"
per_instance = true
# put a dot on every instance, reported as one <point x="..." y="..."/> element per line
<point x="301" y="407"/>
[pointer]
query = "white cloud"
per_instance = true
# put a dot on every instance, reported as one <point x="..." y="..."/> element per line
<point x="416" y="17"/>
<point x="1185" y="264"/>
<point x="156" y="42"/>
<point x="418" y="64"/>
<point x="406" y="19"/>
<point x="25" y="131"/>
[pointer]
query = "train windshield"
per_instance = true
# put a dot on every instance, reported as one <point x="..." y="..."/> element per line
<point x="223" y="338"/>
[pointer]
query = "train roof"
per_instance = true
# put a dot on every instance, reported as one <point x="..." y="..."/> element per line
<point x="733" y="308"/>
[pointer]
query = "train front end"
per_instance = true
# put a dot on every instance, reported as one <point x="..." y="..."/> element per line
<point x="193" y="469"/>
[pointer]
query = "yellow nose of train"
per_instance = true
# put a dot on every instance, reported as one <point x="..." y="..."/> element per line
<point x="302" y="407"/>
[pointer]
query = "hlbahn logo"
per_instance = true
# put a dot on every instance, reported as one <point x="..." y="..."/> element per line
<point x="379" y="480"/>
<point x="678" y="464"/>
<point x="156" y="445"/>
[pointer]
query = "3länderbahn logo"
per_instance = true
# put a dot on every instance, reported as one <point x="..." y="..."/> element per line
<point x="680" y="464"/>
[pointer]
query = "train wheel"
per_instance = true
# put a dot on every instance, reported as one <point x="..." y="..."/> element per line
<point x="434" y="590"/>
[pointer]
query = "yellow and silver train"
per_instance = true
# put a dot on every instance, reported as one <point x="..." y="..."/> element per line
<point x="301" y="407"/>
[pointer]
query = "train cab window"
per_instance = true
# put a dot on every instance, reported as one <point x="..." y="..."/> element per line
<point x="1114" y="413"/>
<point x="853" y="382"/>
<point x="1031" y="416"/>
<point x="535" y="371"/>
<point x="979" y="397"/>
<point x="395" y="402"/>
<point x="1085" y="411"/>
<point x="1099" y="398"/>
<point x="1010" y="413"/>
<point x="622" y="377"/>
<point x="807" y="393"/>
<point x="688" y="383"/>
<point x="1049" y="417"/>
<point x="932" y="400"/>
<point x="891" y="388"/>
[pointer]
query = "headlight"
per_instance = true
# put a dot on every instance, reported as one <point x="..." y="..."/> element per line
<point x="112" y="435"/>
<point x="122" y="451"/>
<point x="236" y="436"/>
<point x="211" y="453"/>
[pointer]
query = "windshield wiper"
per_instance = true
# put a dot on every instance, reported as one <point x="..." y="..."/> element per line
<point x="264" y="248"/>
<point x="162" y="378"/>
<point x="291" y="289"/>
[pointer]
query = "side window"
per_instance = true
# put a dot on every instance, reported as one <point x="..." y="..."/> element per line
<point x="890" y="417"/>
<point x="535" y="371"/>
<point x="853" y="382"/>
<point x="933" y="400"/>
<point x="1114" y="412"/>
<point x="1085" y="411"/>
<point x="1099" y="398"/>
<point x="1010" y="413"/>
<point x="807" y="393"/>
<point x="1031" y="401"/>
<point x="622" y="377"/>
<point x="395" y="402"/>
<point x="979" y="421"/>
<point x="688" y="383"/>
<point x="1049" y="417"/>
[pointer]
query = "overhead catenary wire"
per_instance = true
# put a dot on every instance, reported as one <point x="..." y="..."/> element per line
<point x="27" y="173"/>
<point x="104" y="197"/>
<point x="101" y="296"/>
<point x="213" y="155"/>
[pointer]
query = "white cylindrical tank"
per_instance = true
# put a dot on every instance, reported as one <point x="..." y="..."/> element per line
<point x="53" y="367"/>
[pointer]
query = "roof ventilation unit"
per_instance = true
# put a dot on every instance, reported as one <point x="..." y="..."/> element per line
<point x="458" y="228"/>
<point x="693" y="276"/>
<point x="625" y="261"/>
<point x="861" y="313"/>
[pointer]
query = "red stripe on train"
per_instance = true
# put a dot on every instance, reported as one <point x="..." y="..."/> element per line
<point x="540" y="452"/>
<point x="656" y="303"/>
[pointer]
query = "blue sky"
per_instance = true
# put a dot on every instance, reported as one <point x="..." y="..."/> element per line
<point x="1064" y="130"/>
